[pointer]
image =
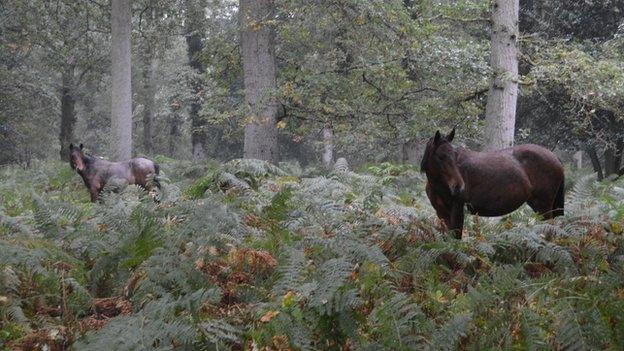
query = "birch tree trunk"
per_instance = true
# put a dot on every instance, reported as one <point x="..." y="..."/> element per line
<point x="328" y="146"/>
<point x="259" y="73"/>
<point x="121" y="90"/>
<point x="194" y="18"/>
<point x="68" y="111"/>
<point x="500" y="112"/>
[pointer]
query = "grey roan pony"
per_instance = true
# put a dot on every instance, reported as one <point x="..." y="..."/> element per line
<point x="96" y="172"/>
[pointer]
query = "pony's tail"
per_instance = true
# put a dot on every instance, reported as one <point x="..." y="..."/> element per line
<point x="156" y="173"/>
<point x="559" y="200"/>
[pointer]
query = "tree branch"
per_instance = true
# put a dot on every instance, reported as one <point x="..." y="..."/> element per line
<point x="475" y="94"/>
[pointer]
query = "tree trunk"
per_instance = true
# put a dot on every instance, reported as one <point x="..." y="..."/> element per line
<point x="410" y="152"/>
<point x="618" y="157"/>
<point x="613" y="159"/>
<point x="259" y="73"/>
<point x="174" y="126"/>
<point x="500" y="111"/>
<point x="593" y="156"/>
<point x="578" y="157"/>
<point x="328" y="146"/>
<point x="174" y="133"/>
<point x="609" y="162"/>
<point x="194" y="19"/>
<point x="148" y="100"/>
<point x="68" y="112"/>
<point x="198" y="134"/>
<point x="93" y="120"/>
<point x="121" y="90"/>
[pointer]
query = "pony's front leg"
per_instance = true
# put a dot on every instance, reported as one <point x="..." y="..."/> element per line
<point x="457" y="219"/>
<point x="444" y="215"/>
<point x="442" y="211"/>
<point x="95" y="193"/>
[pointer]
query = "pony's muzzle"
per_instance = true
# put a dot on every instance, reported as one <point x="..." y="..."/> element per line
<point x="457" y="189"/>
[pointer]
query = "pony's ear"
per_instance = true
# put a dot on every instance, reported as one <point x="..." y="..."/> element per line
<point x="71" y="146"/>
<point x="437" y="137"/>
<point x="451" y="135"/>
<point x="81" y="146"/>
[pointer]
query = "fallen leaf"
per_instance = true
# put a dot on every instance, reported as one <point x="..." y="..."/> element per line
<point x="268" y="316"/>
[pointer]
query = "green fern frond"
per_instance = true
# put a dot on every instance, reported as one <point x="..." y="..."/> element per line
<point x="220" y="332"/>
<point x="569" y="329"/>
<point x="341" y="165"/>
<point x="333" y="273"/>
<point x="448" y="336"/>
<point x="399" y="323"/>
<point x="534" y="336"/>
<point x="253" y="167"/>
<point x="290" y="272"/>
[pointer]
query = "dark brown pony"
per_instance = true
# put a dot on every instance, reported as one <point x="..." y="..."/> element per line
<point x="96" y="172"/>
<point x="491" y="183"/>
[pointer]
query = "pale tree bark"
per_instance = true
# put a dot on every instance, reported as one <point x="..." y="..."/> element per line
<point x="259" y="73"/>
<point x="194" y="19"/>
<point x="121" y="89"/>
<point x="410" y="152"/>
<point x="500" y="111"/>
<point x="328" y="146"/>
<point x="148" y="98"/>
<point x="68" y="111"/>
<point x="578" y="157"/>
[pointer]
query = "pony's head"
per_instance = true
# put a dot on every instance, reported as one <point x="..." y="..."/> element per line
<point x="77" y="158"/>
<point x="440" y="163"/>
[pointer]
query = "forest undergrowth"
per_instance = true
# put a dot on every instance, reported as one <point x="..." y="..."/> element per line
<point x="248" y="255"/>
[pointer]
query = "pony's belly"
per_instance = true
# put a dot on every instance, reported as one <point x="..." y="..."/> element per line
<point x="492" y="210"/>
<point x="499" y="196"/>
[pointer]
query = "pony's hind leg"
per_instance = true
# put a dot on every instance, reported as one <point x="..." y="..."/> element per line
<point x="543" y="206"/>
<point x="153" y="187"/>
<point x="559" y="200"/>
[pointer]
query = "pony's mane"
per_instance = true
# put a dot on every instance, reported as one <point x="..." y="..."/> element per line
<point x="426" y="155"/>
<point x="429" y="150"/>
<point x="89" y="158"/>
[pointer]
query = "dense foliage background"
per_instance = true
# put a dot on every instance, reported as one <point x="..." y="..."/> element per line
<point x="384" y="74"/>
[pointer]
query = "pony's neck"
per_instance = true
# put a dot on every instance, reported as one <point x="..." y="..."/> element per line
<point x="463" y="156"/>
<point x="88" y="162"/>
